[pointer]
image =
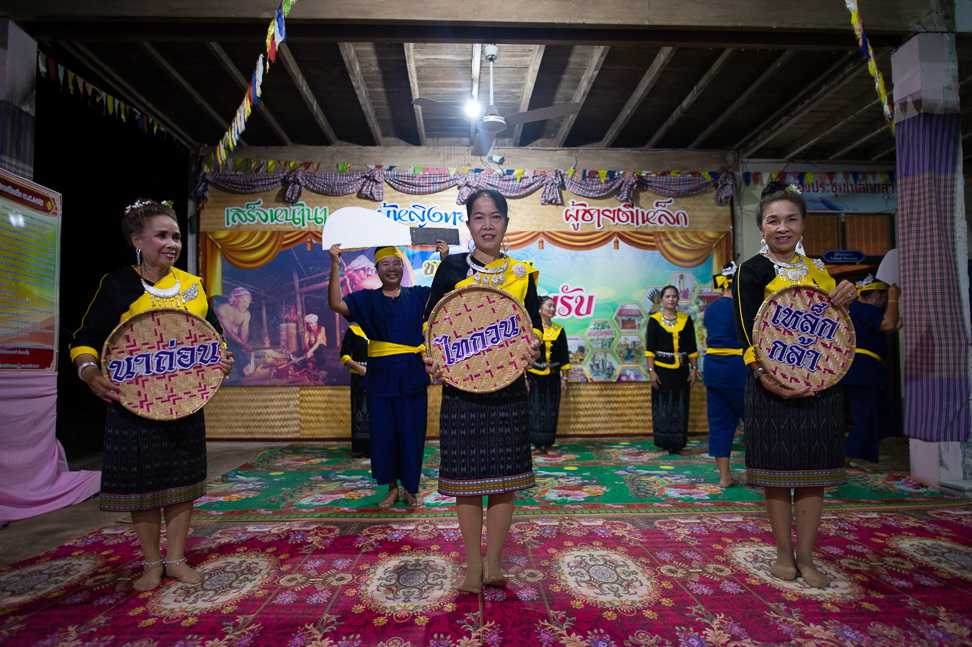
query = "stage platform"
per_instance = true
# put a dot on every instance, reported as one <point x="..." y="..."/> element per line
<point x="619" y="544"/>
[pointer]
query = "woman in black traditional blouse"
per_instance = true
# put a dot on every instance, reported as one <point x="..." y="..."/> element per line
<point x="672" y="356"/>
<point x="484" y="437"/>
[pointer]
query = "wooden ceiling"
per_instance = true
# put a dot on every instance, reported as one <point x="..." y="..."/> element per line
<point x="349" y="72"/>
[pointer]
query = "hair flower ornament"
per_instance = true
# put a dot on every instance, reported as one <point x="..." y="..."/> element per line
<point x="138" y="204"/>
<point x="792" y="188"/>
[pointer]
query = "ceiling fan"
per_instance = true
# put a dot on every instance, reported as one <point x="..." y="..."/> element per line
<point x="491" y="123"/>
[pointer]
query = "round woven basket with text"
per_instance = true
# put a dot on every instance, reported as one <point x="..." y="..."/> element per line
<point x="481" y="337"/>
<point x="164" y="362"/>
<point x="802" y="340"/>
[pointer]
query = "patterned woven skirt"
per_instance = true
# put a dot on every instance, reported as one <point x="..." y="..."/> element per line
<point x="484" y="442"/>
<point x="794" y="443"/>
<point x="544" y="408"/>
<point x="670" y="408"/>
<point x="150" y="464"/>
<point x="360" y="422"/>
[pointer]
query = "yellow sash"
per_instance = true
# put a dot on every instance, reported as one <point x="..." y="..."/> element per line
<point x="385" y="348"/>
<point x="724" y="351"/>
<point x="864" y="351"/>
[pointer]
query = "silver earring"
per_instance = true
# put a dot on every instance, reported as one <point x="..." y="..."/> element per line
<point x="763" y="247"/>
<point x="799" y="247"/>
<point x="138" y="256"/>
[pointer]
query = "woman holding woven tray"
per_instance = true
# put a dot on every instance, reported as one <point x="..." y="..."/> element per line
<point x="484" y="437"/>
<point x="672" y="355"/>
<point x="546" y="379"/>
<point x="794" y="438"/>
<point x="149" y="466"/>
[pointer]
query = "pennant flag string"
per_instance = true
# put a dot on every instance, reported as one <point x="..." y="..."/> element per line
<point x="872" y="67"/>
<point x="276" y="33"/>
<point x="68" y="81"/>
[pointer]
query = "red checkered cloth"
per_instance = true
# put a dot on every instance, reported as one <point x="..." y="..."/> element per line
<point x="936" y="333"/>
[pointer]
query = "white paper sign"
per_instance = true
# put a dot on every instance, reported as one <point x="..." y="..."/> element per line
<point x="357" y="227"/>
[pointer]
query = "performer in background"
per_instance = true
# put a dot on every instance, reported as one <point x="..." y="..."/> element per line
<point x="354" y="356"/>
<point x="149" y="466"/>
<point x="546" y="379"/>
<point x="864" y="383"/>
<point x="672" y="356"/>
<point x="234" y="315"/>
<point x="723" y="373"/>
<point x="391" y="318"/>
<point x="484" y="437"/>
<point x="794" y="438"/>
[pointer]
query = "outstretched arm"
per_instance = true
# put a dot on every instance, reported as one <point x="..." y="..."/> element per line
<point x="334" y="299"/>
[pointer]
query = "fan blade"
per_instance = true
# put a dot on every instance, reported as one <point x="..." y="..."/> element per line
<point x="541" y="114"/>
<point x="483" y="143"/>
<point x="438" y="106"/>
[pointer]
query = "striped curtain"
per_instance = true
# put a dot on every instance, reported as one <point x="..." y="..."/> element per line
<point x="936" y="334"/>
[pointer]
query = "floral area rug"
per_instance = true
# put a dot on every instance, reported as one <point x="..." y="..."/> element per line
<point x="899" y="578"/>
<point x="594" y="477"/>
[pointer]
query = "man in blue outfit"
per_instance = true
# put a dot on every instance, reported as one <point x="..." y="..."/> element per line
<point x="391" y="317"/>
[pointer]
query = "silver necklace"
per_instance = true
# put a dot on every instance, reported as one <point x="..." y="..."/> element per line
<point x="794" y="271"/>
<point x="162" y="293"/>
<point x="486" y="276"/>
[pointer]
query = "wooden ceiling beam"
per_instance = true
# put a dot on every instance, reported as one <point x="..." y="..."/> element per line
<point x="648" y="81"/>
<point x="767" y="74"/>
<point x="335" y="32"/>
<point x="243" y="84"/>
<point x="529" y="83"/>
<point x="189" y="89"/>
<point x="361" y="89"/>
<point x="303" y="88"/>
<point x="580" y="93"/>
<point x="123" y="89"/>
<point x="834" y="78"/>
<point x="901" y="16"/>
<point x="857" y="142"/>
<point x="840" y="123"/>
<point x="413" y="85"/>
<point x="691" y="98"/>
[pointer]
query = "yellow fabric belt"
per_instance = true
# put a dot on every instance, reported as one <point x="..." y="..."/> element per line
<point x="864" y="351"/>
<point x="724" y="351"/>
<point x="386" y="348"/>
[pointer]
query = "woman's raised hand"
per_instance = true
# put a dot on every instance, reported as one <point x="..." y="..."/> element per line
<point x="335" y="251"/>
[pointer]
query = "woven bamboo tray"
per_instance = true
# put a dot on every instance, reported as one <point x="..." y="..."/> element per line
<point x="802" y="340"/>
<point x="481" y="337"/>
<point x="165" y="363"/>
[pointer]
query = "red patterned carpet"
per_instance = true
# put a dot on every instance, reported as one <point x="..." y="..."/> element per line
<point x="900" y="578"/>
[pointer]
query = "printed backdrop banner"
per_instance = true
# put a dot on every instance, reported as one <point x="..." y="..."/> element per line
<point x="603" y="263"/>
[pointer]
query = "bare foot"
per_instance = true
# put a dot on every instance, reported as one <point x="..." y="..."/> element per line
<point x="783" y="571"/>
<point x="812" y="576"/>
<point x="177" y="569"/>
<point x="493" y="576"/>
<point x="473" y="582"/>
<point x="150" y="578"/>
<point x="410" y="499"/>
<point x="389" y="499"/>
<point x="726" y="481"/>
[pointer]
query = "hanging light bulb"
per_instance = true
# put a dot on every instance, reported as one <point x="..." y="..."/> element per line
<point x="472" y="109"/>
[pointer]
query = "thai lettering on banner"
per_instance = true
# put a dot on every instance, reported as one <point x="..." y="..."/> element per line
<point x="479" y="341"/>
<point x="580" y="213"/>
<point x="297" y="215"/>
<point x="172" y="358"/>
<point x="809" y="327"/>
<point x="574" y="302"/>
<point x="420" y="215"/>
